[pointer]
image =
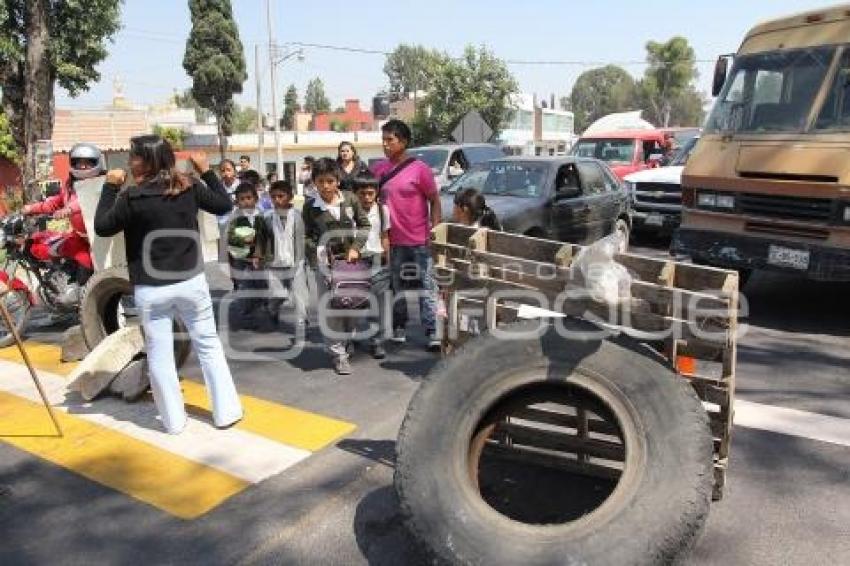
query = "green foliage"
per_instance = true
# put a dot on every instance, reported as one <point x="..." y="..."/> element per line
<point x="599" y="92"/>
<point x="290" y="107"/>
<point x="244" y="120"/>
<point x="478" y="81"/>
<point x="671" y="71"/>
<point x="76" y="35"/>
<point x="186" y="100"/>
<point x="410" y="68"/>
<point x="174" y="136"/>
<point x="215" y="60"/>
<point x="315" y="100"/>
<point x="8" y="147"/>
<point x="338" y="125"/>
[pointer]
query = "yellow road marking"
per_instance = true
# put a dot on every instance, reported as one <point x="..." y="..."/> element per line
<point x="167" y="481"/>
<point x="43" y="356"/>
<point x="287" y="425"/>
<point x="294" y="427"/>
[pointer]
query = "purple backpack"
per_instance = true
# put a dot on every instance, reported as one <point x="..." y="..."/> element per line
<point x="350" y="284"/>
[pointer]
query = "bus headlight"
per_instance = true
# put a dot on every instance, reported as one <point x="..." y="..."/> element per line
<point x="706" y="200"/>
<point x="726" y="201"/>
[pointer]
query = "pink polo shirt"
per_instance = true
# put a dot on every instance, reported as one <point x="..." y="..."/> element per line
<point x="407" y="196"/>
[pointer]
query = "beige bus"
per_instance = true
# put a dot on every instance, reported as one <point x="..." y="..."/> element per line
<point x="768" y="185"/>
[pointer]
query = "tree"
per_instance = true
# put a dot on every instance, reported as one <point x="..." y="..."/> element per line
<point x="185" y="100"/>
<point x="290" y="107"/>
<point x="315" y="100"/>
<point x="599" y="92"/>
<point x="174" y="136"/>
<point x="8" y="148"/>
<point x="338" y="125"/>
<point x="477" y="81"/>
<point x="215" y="60"/>
<point x="43" y="43"/>
<point x="411" y="68"/>
<point x="244" y="120"/>
<point x="671" y="71"/>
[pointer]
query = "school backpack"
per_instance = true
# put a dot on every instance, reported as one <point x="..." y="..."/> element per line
<point x="350" y="284"/>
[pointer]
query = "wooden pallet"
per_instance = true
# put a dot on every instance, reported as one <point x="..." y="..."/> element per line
<point x="688" y="313"/>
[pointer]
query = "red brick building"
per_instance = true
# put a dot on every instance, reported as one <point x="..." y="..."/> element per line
<point x="353" y="119"/>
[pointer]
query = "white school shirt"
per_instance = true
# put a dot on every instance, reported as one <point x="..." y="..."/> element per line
<point x="373" y="242"/>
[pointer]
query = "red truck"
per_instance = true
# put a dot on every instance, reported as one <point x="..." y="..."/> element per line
<point x="625" y="151"/>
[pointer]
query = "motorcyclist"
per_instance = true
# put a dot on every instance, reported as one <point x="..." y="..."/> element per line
<point x="86" y="162"/>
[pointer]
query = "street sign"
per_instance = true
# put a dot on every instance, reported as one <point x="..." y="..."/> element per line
<point x="472" y="129"/>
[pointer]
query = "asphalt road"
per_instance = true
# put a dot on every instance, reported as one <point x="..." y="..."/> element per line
<point x="787" y="499"/>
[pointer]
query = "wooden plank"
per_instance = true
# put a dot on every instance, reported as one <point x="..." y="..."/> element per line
<point x="560" y="419"/>
<point x="710" y="393"/>
<point x="537" y="249"/>
<point x="549" y="440"/>
<point x="525" y="455"/>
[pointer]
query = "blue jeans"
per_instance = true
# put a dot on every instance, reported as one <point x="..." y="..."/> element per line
<point x="190" y="300"/>
<point x="413" y="272"/>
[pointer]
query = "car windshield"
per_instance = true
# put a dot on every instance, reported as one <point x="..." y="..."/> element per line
<point x="681" y="158"/>
<point x="434" y="158"/>
<point x="771" y="92"/>
<point x="503" y="178"/>
<point x="611" y="151"/>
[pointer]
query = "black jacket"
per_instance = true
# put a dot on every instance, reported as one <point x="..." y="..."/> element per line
<point x="141" y="211"/>
<point x="346" y="181"/>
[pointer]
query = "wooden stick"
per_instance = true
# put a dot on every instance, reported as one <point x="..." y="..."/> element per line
<point x="8" y="318"/>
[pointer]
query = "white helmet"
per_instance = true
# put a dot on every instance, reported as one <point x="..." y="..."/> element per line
<point x="86" y="152"/>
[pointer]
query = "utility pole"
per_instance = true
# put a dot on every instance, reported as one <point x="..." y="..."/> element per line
<point x="261" y="142"/>
<point x="278" y="147"/>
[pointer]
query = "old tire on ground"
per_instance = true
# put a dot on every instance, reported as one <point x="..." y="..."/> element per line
<point x="99" y="310"/>
<point x="18" y="304"/>
<point x="653" y="515"/>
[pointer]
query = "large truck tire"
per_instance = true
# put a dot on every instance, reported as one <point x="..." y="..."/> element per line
<point x="653" y="515"/>
<point x="99" y="311"/>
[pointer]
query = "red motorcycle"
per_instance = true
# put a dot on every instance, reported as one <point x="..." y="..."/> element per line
<point x="55" y="278"/>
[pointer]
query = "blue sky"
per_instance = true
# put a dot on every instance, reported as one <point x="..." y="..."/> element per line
<point x="147" y="53"/>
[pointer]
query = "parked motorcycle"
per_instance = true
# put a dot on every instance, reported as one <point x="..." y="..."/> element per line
<point x="55" y="280"/>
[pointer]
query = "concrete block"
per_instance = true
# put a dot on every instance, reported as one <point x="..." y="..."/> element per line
<point x="103" y="364"/>
<point x="74" y="346"/>
<point x="132" y="382"/>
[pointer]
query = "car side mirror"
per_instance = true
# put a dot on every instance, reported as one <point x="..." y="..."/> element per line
<point x="567" y="192"/>
<point x="721" y="68"/>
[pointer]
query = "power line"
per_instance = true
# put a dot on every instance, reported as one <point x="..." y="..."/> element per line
<point x="368" y="51"/>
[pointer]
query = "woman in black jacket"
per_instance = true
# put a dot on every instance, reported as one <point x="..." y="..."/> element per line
<point x="159" y="218"/>
<point x="350" y="166"/>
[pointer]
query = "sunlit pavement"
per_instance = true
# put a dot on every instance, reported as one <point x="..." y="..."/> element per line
<point x="126" y="495"/>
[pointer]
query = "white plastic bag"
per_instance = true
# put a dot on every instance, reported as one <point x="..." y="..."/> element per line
<point x="605" y="280"/>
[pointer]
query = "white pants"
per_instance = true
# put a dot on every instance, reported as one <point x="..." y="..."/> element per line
<point x="191" y="301"/>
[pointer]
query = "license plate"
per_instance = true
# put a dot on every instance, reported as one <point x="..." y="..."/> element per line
<point x="654" y="219"/>
<point x="787" y="257"/>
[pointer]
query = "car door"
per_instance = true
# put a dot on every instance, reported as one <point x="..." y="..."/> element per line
<point x="598" y="201"/>
<point x="616" y="200"/>
<point x="570" y="210"/>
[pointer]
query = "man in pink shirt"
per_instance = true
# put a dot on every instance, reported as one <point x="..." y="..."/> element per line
<point x="408" y="189"/>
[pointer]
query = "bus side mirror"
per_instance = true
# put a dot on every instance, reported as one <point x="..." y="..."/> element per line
<point x="720" y="70"/>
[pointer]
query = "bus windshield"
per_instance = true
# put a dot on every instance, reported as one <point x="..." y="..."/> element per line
<point x="771" y="92"/>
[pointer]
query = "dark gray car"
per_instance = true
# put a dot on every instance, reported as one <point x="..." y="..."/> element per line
<point x="568" y="198"/>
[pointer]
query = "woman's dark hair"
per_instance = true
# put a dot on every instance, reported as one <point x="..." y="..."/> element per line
<point x="282" y="187"/>
<point x="341" y="145"/>
<point x="326" y="166"/>
<point x="365" y="180"/>
<point x="473" y="200"/>
<point x="223" y="161"/>
<point x="246" y="187"/>
<point x="159" y="163"/>
<point x="399" y="129"/>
